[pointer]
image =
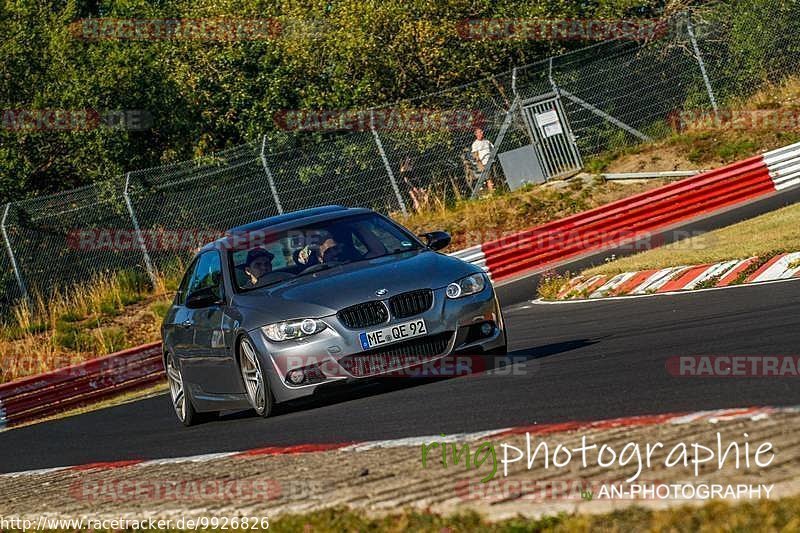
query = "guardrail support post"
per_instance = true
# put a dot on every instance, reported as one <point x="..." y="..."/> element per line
<point x="139" y="237"/>
<point x="270" y="178"/>
<point x="702" y="64"/>
<point x="22" y="289"/>
<point x="389" y="172"/>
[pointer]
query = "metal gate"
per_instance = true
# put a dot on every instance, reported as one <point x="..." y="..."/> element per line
<point x="552" y="137"/>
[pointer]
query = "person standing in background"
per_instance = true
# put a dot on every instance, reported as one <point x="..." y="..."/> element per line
<point x="481" y="152"/>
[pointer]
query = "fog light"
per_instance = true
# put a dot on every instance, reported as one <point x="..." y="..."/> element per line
<point x="487" y="328"/>
<point x="296" y="377"/>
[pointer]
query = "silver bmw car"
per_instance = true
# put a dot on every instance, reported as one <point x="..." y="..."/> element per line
<point x="280" y="307"/>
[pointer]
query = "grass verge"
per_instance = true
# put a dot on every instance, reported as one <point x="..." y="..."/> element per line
<point x="471" y="222"/>
<point x="762" y="236"/>
<point x="107" y="314"/>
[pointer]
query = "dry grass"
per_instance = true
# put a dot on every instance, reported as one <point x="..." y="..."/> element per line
<point x="777" y="231"/>
<point x="105" y="315"/>
<point x="749" y="126"/>
<point x="472" y="222"/>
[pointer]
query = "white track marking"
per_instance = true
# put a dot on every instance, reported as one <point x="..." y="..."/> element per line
<point x="612" y="284"/>
<point x="714" y="270"/>
<point x="418" y="441"/>
<point x="539" y="301"/>
<point x="656" y="281"/>
<point x="780" y="268"/>
<point x="190" y="459"/>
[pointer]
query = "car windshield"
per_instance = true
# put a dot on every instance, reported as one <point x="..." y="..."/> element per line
<point x="273" y="257"/>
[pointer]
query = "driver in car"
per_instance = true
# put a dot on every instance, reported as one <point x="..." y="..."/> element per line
<point x="257" y="265"/>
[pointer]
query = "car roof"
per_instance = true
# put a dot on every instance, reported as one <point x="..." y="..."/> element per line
<point x="284" y="222"/>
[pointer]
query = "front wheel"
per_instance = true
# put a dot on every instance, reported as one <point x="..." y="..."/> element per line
<point x="255" y="382"/>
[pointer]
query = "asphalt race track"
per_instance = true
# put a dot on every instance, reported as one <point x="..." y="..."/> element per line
<point x="584" y="361"/>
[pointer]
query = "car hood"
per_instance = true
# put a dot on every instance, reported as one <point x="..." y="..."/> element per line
<point x="324" y="293"/>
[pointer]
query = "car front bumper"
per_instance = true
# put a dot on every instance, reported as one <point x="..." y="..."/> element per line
<point x="336" y="353"/>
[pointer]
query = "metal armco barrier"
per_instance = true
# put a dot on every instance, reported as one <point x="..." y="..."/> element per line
<point x="642" y="215"/>
<point x="547" y="245"/>
<point x="45" y="394"/>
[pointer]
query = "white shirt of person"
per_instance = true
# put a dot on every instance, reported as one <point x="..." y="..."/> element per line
<point x="483" y="148"/>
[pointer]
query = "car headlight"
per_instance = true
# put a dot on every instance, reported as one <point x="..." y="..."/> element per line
<point x="465" y="286"/>
<point x="293" y="329"/>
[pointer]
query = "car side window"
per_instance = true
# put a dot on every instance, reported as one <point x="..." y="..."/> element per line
<point x="207" y="274"/>
<point x="180" y="297"/>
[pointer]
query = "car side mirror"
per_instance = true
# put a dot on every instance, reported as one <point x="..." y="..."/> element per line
<point x="205" y="297"/>
<point x="436" y="240"/>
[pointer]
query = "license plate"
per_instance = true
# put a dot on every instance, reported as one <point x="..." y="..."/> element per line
<point x="398" y="332"/>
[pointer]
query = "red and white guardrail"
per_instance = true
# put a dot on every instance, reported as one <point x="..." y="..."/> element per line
<point x="527" y="252"/>
<point x="45" y="394"/>
<point x="638" y="217"/>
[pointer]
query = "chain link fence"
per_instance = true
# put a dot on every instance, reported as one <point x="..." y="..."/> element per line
<point x="396" y="158"/>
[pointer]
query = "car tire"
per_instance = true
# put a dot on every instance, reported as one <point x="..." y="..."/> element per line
<point x="255" y="382"/>
<point x="181" y="398"/>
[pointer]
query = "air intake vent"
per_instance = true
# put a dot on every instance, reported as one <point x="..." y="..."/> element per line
<point x="411" y="303"/>
<point x="396" y="356"/>
<point x="363" y="315"/>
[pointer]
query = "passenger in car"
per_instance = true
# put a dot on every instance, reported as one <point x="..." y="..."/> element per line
<point x="313" y="255"/>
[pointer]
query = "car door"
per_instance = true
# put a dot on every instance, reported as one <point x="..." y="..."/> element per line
<point x="178" y="334"/>
<point x="210" y="364"/>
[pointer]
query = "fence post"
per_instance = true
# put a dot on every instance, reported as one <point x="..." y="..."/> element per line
<point x="702" y="64"/>
<point x="139" y="237"/>
<point x="497" y="142"/>
<point x="270" y="179"/>
<point x="389" y="172"/>
<point x="23" y="290"/>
